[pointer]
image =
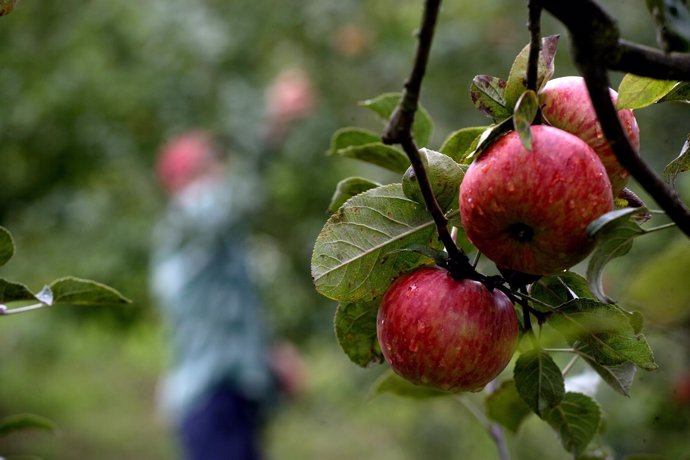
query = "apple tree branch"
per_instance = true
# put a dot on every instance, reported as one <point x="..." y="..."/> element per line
<point x="399" y="131"/>
<point x="596" y="48"/>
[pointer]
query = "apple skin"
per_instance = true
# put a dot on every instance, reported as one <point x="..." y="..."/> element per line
<point x="565" y="104"/>
<point x="443" y="333"/>
<point x="529" y="211"/>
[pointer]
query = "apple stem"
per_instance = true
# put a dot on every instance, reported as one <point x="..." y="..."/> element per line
<point x="527" y="319"/>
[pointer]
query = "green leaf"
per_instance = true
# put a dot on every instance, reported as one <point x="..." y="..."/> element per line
<point x="555" y="290"/>
<point x="517" y="79"/>
<point x="21" y="422"/>
<point x="576" y="420"/>
<point x="487" y="96"/>
<point x="364" y="145"/>
<point x="636" y="92"/>
<point x="614" y="232"/>
<point x="355" y="329"/>
<point x="385" y="104"/>
<point x="679" y="93"/>
<point x="526" y="110"/>
<point x="391" y="383"/>
<point x="350" y="136"/>
<point x="13" y="292"/>
<point x="617" y="348"/>
<point x="678" y="165"/>
<point x="603" y="333"/>
<point x="357" y="254"/>
<point x="539" y="381"/>
<point x="76" y="291"/>
<point x="488" y="137"/>
<point x="506" y="407"/>
<point x="581" y="317"/>
<point x="347" y="188"/>
<point x="459" y="143"/>
<point x="619" y="377"/>
<point x="445" y="176"/>
<point x="378" y="154"/>
<point x="6" y="246"/>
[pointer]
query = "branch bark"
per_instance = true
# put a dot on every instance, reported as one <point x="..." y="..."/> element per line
<point x="399" y="131"/>
<point x="597" y="47"/>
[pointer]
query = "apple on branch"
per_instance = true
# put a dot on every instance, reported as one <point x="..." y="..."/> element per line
<point x="528" y="211"/>
<point x="454" y="335"/>
<point x="565" y="104"/>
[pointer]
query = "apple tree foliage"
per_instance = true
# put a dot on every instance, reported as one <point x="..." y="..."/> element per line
<point x="17" y="298"/>
<point x="378" y="231"/>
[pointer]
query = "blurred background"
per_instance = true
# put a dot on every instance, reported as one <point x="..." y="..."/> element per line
<point x="89" y="92"/>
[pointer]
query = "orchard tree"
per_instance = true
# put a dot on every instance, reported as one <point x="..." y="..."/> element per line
<point x="536" y="191"/>
<point x="17" y="298"/>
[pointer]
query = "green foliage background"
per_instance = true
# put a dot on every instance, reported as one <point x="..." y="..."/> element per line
<point x="89" y="90"/>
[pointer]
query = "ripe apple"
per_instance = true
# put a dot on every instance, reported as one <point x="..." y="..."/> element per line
<point x="440" y="332"/>
<point x="565" y="104"/>
<point x="528" y="211"/>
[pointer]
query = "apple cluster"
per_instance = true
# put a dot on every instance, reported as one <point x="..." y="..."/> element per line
<point x="527" y="211"/>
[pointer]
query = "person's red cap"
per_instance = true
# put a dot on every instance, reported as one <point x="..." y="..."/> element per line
<point x="182" y="158"/>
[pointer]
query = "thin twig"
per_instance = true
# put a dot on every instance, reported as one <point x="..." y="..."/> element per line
<point x="534" y="26"/>
<point x="560" y="350"/>
<point x="568" y="367"/>
<point x="492" y="428"/>
<point x="399" y="131"/>
<point x="6" y="311"/>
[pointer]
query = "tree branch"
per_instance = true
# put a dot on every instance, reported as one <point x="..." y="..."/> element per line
<point x="649" y="62"/>
<point x="534" y="26"/>
<point x="596" y="47"/>
<point x="399" y="131"/>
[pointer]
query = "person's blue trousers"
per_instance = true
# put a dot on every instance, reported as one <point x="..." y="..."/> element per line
<point x="224" y="427"/>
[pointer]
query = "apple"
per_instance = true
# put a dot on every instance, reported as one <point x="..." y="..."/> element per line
<point x="565" y="104"/>
<point x="528" y="211"/>
<point x="681" y="389"/>
<point x="453" y="335"/>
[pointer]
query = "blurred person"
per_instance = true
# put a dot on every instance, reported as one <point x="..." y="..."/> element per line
<point x="227" y="373"/>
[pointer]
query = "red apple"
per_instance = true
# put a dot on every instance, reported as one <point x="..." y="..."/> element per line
<point x="528" y="211"/>
<point x="681" y="389"/>
<point x="565" y="104"/>
<point x="440" y="332"/>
